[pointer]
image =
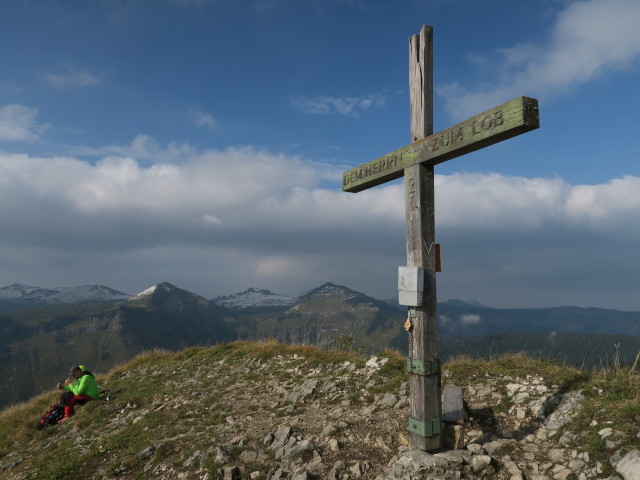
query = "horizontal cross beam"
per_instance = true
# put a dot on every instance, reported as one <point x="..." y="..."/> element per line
<point x="513" y="118"/>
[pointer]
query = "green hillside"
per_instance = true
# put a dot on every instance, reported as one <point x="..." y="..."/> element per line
<point x="38" y="346"/>
<point x="327" y="313"/>
<point x="197" y="412"/>
<point x="583" y="350"/>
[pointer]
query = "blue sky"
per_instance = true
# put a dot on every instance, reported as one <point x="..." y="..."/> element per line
<point x="201" y="142"/>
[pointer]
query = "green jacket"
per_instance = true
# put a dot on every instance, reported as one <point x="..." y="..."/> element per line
<point x="86" y="385"/>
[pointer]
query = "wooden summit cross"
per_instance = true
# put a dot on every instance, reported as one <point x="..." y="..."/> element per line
<point x="417" y="281"/>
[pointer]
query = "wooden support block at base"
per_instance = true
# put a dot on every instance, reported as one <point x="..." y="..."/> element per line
<point x="453" y="437"/>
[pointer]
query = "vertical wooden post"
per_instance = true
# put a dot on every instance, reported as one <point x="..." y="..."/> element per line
<point x="505" y="121"/>
<point x="420" y="205"/>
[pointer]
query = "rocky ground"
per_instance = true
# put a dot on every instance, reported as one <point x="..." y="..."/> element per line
<point x="298" y="413"/>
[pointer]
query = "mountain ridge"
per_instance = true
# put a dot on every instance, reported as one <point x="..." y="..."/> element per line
<point x="17" y="295"/>
<point x="253" y="298"/>
<point x="257" y="306"/>
<point x="40" y="344"/>
<point x="99" y="293"/>
<point x="269" y="411"/>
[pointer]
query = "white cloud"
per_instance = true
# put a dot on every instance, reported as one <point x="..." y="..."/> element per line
<point x="210" y="219"/>
<point x="348" y="106"/>
<point x="472" y="201"/>
<point x="72" y="79"/>
<point x="243" y="217"/>
<point x="589" y="39"/>
<point x="469" y="319"/>
<point x="142" y="147"/>
<point x="18" y="123"/>
<point x="618" y="199"/>
<point x="202" y="119"/>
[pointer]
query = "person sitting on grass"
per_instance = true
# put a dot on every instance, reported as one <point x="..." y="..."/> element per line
<point x="82" y="391"/>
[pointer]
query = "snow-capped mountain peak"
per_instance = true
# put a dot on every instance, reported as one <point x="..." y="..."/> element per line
<point x="18" y="291"/>
<point x="254" y="298"/>
<point x="145" y="293"/>
<point x="38" y="296"/>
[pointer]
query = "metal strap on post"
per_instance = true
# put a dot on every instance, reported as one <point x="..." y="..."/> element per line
<point x="422" y="367"/>
<point x="425" y="428"/>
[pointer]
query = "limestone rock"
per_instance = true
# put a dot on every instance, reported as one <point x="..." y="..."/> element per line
<point x="628" y="466"/>
<point x="479" y="463"/>
<point x="411" y="461"/>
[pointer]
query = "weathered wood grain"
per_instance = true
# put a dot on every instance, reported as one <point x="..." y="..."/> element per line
<point x="416" y="163"/>
<point x="420" y="215"/>
<point x="508" y="120"/>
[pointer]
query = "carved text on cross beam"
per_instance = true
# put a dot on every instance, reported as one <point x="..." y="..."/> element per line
<point x="517" y="116"/>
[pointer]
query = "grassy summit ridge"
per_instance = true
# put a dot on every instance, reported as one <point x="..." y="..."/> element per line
<point x="188" y="414"/>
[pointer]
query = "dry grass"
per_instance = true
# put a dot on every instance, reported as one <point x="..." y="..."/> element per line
<point x="610" y="396"/>
<point x="159" y="387"/>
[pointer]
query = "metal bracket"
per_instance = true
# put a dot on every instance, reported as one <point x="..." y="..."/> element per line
<point x="425" y="428"/>
<point x="422" y="367"/>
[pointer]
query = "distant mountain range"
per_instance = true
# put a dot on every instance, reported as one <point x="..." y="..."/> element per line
<point x="44" y="331"/>
<point x="464" y="319"/>
<point x="254" y="298"/>
<point x="38" y="345"/>
<point x="324" y="314"/>
<point x="17" y="297"/>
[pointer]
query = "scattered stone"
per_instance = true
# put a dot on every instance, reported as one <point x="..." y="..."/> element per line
<point x="190" y="461"/>
<point x="479" y="463"/>
<point x="410" y="461"/>
<point x="458" y="457"/>
<point x="312" y="427"/>
<point x="280" y="437"/>
<point x="569" y="404"/>
<point x="329" y="430"/>
<point x="475" y="448"/>
<point x="304" y="446"/>
<point x="576" y="464"/>
<point x="389" y="400"/>
<point x="248" y="456"/>
<point x="147" y="452"/>
<point x="499" y="447"/>
<point x="375" y="363"/>
<point x="231" y="473"/>
<point x="628" y="465"/>
<point x="357" y="469"/>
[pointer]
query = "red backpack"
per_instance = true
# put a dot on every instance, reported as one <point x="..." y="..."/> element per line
<point x="53" y="416"/>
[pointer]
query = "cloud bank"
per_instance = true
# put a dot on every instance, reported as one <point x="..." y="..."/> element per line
<point x="217" y="221"/>
<point x="589" y="39"/>
<point x="225" y="220"/>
